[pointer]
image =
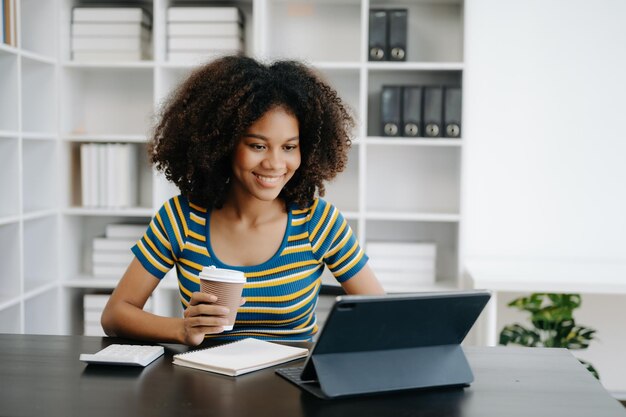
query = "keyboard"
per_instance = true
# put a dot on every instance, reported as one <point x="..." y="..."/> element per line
<point x="292" y="373"/>
<point x="128" y="355"/>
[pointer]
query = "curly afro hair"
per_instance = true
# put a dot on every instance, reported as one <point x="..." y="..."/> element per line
<point x="203" y="119"/>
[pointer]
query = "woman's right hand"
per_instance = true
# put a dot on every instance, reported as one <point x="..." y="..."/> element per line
<point x="202" y="317"/>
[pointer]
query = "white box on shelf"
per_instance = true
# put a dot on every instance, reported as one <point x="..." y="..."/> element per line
<point x="93" y="329"/>
<point x="204" y="14"/>
<point x="92" y="316"/>
<point x="109" y="271"/>
<point x="397" y="249"/>
<point x="112" y="244"/>
<point x="198" y="57"/>
<point x="402" y="264"/>
<point x="111" y="14"/>
<point x="187" y="29"/>
<point x="223" y="43"/>
<point x="125" y="230"/>
<point x="112" y="257"/>
<point x="108" y="43"/>
<point x="110" y="29"/>
<point x="95" y="301"/>
<point x="109" y="56"/>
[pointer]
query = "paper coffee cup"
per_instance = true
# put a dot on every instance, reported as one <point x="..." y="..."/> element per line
<point x="227" y="285"/>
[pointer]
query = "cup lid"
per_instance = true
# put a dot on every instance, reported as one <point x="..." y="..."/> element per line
<point x="222" y="274"/>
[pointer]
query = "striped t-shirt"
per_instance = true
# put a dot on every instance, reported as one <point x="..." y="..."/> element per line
<point x="281" y="293"/>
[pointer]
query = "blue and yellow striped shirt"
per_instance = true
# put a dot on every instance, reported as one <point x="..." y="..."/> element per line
<point x="282" y="292"/>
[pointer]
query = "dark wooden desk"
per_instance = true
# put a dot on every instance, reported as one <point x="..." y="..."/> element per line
<point x="42" y="376"/>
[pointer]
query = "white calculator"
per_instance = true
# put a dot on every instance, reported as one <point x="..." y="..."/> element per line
<point x="129" y="355"/>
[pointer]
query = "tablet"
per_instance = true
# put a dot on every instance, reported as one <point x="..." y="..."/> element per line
<point x="374" y="344"/>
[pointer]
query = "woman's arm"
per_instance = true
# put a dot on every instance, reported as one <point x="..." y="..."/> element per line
<point x="364" y="283"/>
<point x="123" y="315"/>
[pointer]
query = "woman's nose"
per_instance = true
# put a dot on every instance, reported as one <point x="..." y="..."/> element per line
<point x="274" y="160"/>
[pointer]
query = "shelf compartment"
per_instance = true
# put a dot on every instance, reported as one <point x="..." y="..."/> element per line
<point x="376" y="80"/>
<point x="40" y="252"/>
<point x="306" y="30"/>
<point x="170" y="79"/>
<point x="9" y="180"/>
<point x="435" y="29"/>
<point x="39" y="20"/>
<point x="78" y="233"/>
<point x="115" y="101"/>
<point x="413" y="179"/>
<point x="10" y="270"/>
<point x="9" y="87"/>
<point x="445" y="236"/>
<point x="343" y="191"/>
<point x="40" y="170"/>
<point x="10" y="321"/>
<point x="42" y="314"/>
<point x="39" y="97"/>
<point x="71" y="164"/>
<point x="346" y="82"/>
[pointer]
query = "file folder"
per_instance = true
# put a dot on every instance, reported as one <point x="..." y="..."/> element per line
<point x="377" y="43"/>
<point x="412" y="111"/>
<point x="390" y="110"/>
<point x="379" y="344"/>
<point x="452" y="112"/>
<point x="397" y="34"/>
<point x="433" y="109"/>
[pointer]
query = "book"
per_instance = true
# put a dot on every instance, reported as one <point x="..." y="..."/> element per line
<point x="112" y="257"/>
<point x="205" y="43"/>
<point x="111" y="14"/>
<point x="205" y="29"/>
<point x="109" y="56"/>
<point x="110" y="29"/>
<point x="2" y="7"/>
<point x="109" y="271"/>
<point x="106" y="244"/>
<point x="406" y="264"/>
<point x="198" y="57"/>
<point x="204" y="14"/>
<point x="240" y="357"/>
<point x="109" y="43"/>
<point x="85" y="175"/>
<point x="397" y="249"/>
<point x="125" y="231"/>
<point x="95" y="301"/>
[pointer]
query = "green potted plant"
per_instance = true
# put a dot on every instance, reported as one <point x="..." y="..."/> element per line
<point x="553" y="324"/>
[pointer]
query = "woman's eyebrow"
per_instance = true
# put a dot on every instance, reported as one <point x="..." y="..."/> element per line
<point x="258" y="136"/>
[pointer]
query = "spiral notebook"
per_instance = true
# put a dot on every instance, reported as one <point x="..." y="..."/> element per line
<point x="240" y="357"/>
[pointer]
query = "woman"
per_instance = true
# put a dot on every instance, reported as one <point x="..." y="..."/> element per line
<point x="249" y="146"/>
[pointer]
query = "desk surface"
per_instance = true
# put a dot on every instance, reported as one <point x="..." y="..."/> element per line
<point x="41" y="375"/>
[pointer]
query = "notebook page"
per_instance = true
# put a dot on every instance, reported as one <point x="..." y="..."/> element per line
<point x="239" y="357"/>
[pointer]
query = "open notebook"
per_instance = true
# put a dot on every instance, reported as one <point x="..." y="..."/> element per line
<point x="240" y="357"/>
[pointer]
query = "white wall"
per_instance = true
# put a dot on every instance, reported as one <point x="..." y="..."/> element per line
<point x="545" y="163"/>
<point x="545" y="104"/>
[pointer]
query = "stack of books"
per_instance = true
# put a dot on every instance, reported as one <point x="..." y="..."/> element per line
<point x="111" y="253"/>
<point x="93" y="305"/>
<point x="111" y="34"/>
<point x="403" y="266"/>
<point x="198" y="34"/>
<point x="109" y="175"/>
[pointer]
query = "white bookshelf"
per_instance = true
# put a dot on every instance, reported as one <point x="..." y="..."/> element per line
<point x="392" y="189"/>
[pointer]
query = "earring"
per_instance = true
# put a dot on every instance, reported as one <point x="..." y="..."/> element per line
<point x="227" y="180"/>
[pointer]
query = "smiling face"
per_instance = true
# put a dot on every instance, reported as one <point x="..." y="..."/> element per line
<point x="267" y="156"/>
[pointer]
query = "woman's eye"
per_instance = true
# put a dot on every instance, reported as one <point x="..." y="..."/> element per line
<point x="257" y="147"/>
<point x="290" y="148"/>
